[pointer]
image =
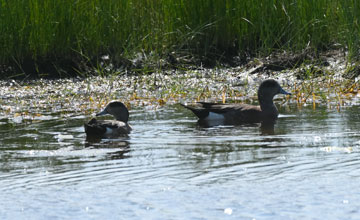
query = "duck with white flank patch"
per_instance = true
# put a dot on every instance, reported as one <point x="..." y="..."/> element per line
<point x="110" y="128"/>
<point x="242" y="113"/>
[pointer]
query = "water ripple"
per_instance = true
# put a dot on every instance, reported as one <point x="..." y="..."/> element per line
<point x="309" y="165"/>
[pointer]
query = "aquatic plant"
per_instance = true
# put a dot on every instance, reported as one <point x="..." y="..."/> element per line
<point x="29" y="101"/>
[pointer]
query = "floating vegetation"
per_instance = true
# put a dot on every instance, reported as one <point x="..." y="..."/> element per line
<point x="42" y="99"/>
<point x="333" y="93"/>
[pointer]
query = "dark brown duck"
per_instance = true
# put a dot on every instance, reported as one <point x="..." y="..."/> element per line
<point x="110" y="128"/>
<point x="242" y="113"/>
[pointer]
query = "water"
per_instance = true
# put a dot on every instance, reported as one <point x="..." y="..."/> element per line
<point x="308" y="167"/>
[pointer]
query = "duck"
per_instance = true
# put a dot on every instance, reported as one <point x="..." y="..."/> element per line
<point x="231" y="114"/>
<point x="110" y="128"/>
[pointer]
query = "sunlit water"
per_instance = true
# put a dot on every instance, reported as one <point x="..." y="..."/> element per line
<point x="308" y="167"/>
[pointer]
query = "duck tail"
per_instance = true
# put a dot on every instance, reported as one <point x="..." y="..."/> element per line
<point x="201" y="113"/>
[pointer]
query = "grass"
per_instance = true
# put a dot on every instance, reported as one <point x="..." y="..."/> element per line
<point x="56" y="30"/>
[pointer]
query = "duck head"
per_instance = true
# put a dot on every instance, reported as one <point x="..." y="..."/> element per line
<point x="116" y="109"/>
<point x="267" y="90"/>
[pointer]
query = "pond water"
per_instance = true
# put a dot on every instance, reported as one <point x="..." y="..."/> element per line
<point x="308" y="167"/>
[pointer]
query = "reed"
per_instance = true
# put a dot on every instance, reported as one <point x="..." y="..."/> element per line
<point x="47" y="29"/>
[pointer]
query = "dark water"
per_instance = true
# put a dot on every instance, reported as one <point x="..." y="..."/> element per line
<point x="170" y="168"/>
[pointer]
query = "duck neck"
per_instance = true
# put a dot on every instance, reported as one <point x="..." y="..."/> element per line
<point x="123" y="119"/>
<point x="267" y="105"/>
<point x="122" y="115"/>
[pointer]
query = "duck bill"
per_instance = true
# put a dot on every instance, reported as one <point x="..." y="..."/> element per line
<point x="104" y="112"/>
<point x="284" y="92"/>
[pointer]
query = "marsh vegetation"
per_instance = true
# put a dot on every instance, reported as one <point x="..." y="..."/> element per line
<point x="52" y="38"/>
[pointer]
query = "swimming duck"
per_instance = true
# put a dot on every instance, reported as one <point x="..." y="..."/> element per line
<point x="118" y="127"/>
<point x="242" y="113"/>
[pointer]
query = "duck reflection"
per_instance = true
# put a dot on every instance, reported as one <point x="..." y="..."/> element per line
<point x="122" y="146"/>
<point x="266" y="128"/>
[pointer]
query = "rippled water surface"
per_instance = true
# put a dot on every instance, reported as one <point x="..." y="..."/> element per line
<point x="308" y="167"/>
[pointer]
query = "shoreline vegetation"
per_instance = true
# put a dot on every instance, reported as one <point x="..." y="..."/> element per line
<point x="51" y="39"/>
<point x="42" y="99"/>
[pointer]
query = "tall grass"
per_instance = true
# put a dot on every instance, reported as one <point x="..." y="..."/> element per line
<point x="40" y="29"/>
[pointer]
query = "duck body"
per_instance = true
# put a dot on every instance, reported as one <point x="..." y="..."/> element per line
<point x="242" y="113"/>
<point x="110" y="128"/>
<point x="107" y="128"/>
<point x="227" y="113"/>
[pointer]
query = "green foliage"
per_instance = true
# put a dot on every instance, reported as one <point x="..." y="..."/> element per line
<point x="49" y="28"/>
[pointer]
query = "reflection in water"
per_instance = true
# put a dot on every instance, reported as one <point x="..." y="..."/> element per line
<point x="211" y="123"/>
<point x="266" y="128"/>
<point x="122" y="144"/>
